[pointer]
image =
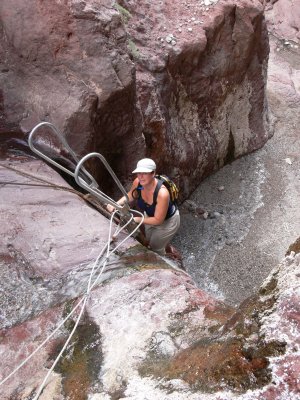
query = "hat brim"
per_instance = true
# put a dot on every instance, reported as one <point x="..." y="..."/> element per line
<point x="142" y="170"/>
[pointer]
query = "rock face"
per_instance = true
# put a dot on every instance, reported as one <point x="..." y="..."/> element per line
<point x="46" y="233"/>
<point x="256" y="355"/>
<point x="66" y="62"/>
<point x="284" y="19"/>
<point x="52" y="244"/>
<point x="147" y="331"/>
<point x="202" y="91"/>
<point x="173" y="81"/>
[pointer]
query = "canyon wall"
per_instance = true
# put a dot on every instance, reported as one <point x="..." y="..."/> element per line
<point x="183" y="83"/>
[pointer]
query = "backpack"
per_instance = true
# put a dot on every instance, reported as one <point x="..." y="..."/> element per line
<point x="171" y="186"/>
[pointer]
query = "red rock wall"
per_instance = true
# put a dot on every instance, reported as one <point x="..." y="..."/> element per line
<point x="202" y="96"/>
<point x="67" y="63"/>
<point x="171" y="80"/>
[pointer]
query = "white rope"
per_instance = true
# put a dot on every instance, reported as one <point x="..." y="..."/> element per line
<point x="41" y="388"/>
<point x="42" y="344"/>
<point x="82" y="301"/>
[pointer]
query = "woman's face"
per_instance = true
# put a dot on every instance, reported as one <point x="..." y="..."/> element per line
<point x="145" y="177"/>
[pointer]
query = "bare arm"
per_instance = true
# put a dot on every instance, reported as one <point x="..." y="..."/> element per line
<point x="123" y="199"/>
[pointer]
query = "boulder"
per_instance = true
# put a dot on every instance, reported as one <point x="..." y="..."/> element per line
<point x="256" y="355"/>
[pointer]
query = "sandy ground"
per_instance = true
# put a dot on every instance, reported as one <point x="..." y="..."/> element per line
<point x="256" y="217"/>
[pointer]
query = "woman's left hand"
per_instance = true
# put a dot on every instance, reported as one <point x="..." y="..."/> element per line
<point x="137" y="219"/>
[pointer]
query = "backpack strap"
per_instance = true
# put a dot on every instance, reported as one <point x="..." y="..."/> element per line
<point x="136" y="193"/>
<point x="155" y="194"/>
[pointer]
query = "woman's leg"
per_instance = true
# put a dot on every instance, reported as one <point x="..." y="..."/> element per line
<point x="160" y="235"/>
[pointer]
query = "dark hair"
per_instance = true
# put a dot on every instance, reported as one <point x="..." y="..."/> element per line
<point x="135" y="193"/>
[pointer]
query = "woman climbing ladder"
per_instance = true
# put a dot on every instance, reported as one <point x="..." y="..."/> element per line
<point x="162" y="219"/>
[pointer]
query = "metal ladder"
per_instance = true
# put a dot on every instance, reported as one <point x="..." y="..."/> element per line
<point x="82" y="177"/>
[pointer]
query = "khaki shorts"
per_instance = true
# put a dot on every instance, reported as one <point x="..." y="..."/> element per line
<point x="159" y="236"/>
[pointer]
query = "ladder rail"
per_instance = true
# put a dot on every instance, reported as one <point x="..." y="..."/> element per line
<point x="82" y="177"/>
<point x="95" y="190"/>
<point x="65" y="144"/>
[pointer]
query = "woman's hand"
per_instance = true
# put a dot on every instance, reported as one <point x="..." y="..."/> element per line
<point x="137" y="220"/>
<point x="110" y="208"/>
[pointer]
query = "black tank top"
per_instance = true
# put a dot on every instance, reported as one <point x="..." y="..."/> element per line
<point x="150" y="208"/>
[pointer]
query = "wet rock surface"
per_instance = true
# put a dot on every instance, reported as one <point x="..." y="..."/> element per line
<point x="153" y="333"/>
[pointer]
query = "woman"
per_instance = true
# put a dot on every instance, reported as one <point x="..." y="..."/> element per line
<point x="162" y="219"/>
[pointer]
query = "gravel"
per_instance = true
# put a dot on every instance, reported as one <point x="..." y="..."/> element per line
<point x="251" y="207"/>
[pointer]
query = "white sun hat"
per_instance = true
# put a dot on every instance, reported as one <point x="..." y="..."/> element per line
<point x="145" y="165"/>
